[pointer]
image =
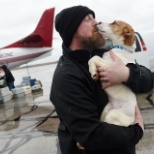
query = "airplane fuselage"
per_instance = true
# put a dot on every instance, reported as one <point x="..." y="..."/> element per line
<point x="14" y="57"/>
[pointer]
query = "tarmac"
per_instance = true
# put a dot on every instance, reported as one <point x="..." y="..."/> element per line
<point x="28" y="124"/>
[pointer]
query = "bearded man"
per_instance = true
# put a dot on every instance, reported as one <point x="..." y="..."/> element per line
<point x="79" y="100"/>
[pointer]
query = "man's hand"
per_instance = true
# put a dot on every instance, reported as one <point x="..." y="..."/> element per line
<point x="138" y="118"/>
<point x="116" y="72"/>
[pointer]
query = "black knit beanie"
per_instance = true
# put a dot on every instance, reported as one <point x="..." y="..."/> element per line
<point x="68" y="21"/>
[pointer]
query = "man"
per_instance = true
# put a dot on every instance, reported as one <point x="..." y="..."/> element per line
<point x="79" y="100"/>
<point x="9" y="78"/>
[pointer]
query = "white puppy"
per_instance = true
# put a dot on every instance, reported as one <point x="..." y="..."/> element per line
<point x="120" y="109"/>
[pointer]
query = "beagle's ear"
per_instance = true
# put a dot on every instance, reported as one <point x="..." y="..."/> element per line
<point x="127" y="32"/>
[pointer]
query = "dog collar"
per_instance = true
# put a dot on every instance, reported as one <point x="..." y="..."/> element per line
<point x="122" y="48"/>
<point x="119" y="47"/>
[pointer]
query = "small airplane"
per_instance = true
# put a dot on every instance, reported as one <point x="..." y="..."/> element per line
<point x="34" y="45"/>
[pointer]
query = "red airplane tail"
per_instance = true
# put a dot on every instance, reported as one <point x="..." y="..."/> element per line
<point x="42" y="35"/>
<point x="44" y="28"/>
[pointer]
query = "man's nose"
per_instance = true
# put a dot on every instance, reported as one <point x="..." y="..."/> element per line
<point x="95" y="22"/>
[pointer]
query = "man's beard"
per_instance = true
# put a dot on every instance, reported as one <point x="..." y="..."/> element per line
<point x="95" y="41"/>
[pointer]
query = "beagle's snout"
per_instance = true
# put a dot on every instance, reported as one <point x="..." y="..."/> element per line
<point x="99" y="23"/>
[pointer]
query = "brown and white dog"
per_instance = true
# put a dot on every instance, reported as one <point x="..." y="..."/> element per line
<point x="120" y="109"/>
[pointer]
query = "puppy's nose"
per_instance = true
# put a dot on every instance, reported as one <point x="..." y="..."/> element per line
<point x="99" y="23"/>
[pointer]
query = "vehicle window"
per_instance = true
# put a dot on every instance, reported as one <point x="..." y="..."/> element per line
<point x="138" y="48"/>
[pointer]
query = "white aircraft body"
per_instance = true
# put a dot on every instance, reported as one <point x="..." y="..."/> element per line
<point x="34" y="45"/>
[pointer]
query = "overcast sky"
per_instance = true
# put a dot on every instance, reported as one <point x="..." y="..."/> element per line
<point x="18" y="18"/>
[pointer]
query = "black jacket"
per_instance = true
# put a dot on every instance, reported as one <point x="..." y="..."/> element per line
<point x="8" y="75"/>
<point x="79" y="101"/>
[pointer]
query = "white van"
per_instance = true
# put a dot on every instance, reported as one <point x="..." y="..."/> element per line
<point x="141" y="54"/>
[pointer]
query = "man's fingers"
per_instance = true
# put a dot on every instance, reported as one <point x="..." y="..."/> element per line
<point x="136" y="112"/>
<point x="100" y="69"/>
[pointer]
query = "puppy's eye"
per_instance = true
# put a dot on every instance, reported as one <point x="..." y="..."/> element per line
<point x="113" y="23"/>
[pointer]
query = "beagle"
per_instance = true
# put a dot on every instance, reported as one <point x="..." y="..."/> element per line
<point x="120" y="109"/>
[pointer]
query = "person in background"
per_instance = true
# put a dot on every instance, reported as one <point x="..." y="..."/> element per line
<point x="8" y="76"/>
<point x="79" y="100"/>
<point x="2" y="78"/>
<point x="2" y="73"/>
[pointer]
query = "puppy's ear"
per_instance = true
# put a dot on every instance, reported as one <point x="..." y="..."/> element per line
<point x="127" y="32"/>
<point x="129" y="36"/>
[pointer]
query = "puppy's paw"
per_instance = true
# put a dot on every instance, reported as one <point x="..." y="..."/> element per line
<point x="95" y="76"/>
<point x="79" y="146"/>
